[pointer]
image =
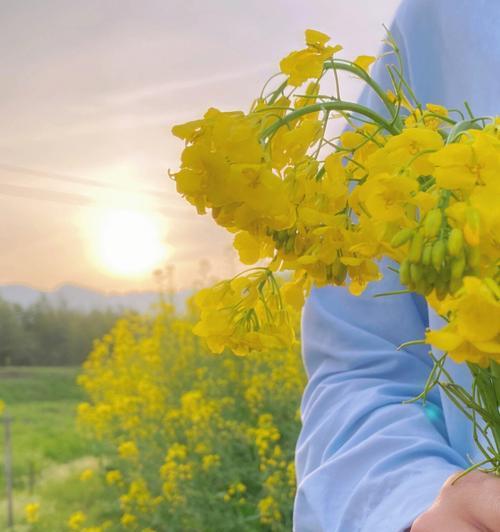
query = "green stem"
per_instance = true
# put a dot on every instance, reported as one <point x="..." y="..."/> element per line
<point x="410" y="343"/>
<point x="339" y="64"/>
<point x="471" y="468"/>
<point x="486" y="383"/>
<point x="277" y="93"/>
<point x="495" y="372"/>
<point x="393" y="293"/>
<point x="329" y="106"/>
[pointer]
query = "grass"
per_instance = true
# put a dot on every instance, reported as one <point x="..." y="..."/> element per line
<point x="47" y="450"/>
<point x="41" y="403"/>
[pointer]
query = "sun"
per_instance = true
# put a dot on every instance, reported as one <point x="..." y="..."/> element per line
<point x="128" y="243"/>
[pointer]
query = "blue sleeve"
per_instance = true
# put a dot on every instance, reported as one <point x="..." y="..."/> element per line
<point x="366" y="461"/>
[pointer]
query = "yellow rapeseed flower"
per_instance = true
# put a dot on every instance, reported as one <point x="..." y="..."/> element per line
<point x="76" y="520"/>
<point x="32" y="512"/>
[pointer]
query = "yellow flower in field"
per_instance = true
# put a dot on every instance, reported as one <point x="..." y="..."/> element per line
<point x="291" y="474"/>
<point x="2" y="407"/>
<point x="128" y="450"/>
<point x="197" y="415"/>
<point x="86" y="474"/>
<point x="235" y="491"/>
<point x="308" y="63"/>
<point x="201" y="448"/>
<point x="114" y="477"/>
<point x="269" y="511"/>
<point x="239" y="487"/>
<point x="76" y="520"/>
<point x="210" y="461"/>
<point x="128" y="520"/>
<point x="32" y="512"/>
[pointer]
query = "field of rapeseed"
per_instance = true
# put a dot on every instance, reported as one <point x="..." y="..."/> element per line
<point x="195" y="441"/>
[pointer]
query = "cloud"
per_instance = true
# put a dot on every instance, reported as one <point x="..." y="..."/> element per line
<point x="161" y="89"/>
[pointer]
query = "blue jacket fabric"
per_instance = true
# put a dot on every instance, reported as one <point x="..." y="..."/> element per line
<point x="365" y="461"/>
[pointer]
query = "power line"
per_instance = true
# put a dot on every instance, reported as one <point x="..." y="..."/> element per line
<point x="78" y="180"/>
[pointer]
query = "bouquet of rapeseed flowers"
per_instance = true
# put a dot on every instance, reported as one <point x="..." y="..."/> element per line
<point x="418" y="184"/>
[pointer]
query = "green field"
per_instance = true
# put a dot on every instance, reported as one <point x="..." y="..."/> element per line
<point x="48" y="451"/>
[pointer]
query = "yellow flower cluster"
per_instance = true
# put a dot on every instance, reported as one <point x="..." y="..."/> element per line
<point x="419" y="187"/>
<point x="308" y="64"/>
<point x="32" y="512"/>
<point x="473" y="333"/>
<point x="86" y="474"/>
<point x="245" y="314"/>
<point x="211" y="439"/>
<point x="76" y="520"/>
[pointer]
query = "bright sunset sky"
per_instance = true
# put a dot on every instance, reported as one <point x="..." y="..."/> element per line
<point x="90" y="90"/>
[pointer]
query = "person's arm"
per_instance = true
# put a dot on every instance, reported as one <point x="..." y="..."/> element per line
<point x="365" y="461"/>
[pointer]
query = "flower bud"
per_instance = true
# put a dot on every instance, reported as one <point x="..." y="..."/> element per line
<point x="401" y="237"/>
<point x="473" y="258"/>
<point x="442" y="286"/>
<point x="416" y="247"/>
<point x="432" y="223"/>
<point x="289" y="244"/>
<point x="455" y="242"/>
<point x="430" y="275"/>
<point x="427" y="254"/>
<point x="438" y="252"/>
<point x="415" y="273"/>
<point x="423" y="287"/>
<point x="455" y="285"/>
<point x="457" y="268"/>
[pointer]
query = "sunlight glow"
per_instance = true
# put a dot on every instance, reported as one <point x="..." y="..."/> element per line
<point x="129" y="243"/>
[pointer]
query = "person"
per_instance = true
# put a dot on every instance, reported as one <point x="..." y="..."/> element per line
<point x="365" y="461"/>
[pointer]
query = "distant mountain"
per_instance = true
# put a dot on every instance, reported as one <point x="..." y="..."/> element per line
<point x="84" y="299"/>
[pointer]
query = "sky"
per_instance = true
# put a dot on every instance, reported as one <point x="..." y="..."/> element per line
<point x="90" y="91"/>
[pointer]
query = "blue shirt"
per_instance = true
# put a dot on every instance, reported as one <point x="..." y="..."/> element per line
<point x="365" y="461"/>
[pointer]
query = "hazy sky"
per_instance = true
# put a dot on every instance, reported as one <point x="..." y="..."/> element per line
<point x="90" y="90"/>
